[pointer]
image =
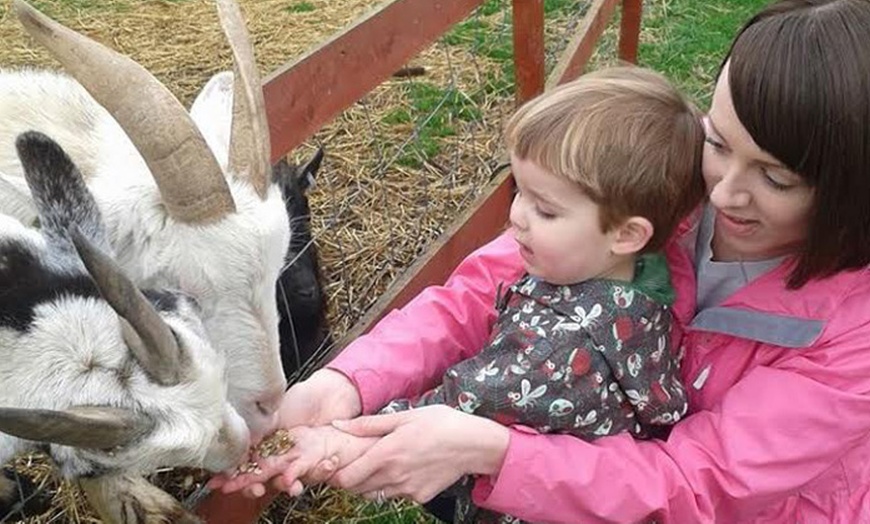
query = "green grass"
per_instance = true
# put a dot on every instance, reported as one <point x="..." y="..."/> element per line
<point x="436" y="111"/>
<point x="58" y="8"/>
<point x="300" y="7"/>
<point x="687" y="39"/>
<point x="683" y="39"/>
<point x="392" y="513"/>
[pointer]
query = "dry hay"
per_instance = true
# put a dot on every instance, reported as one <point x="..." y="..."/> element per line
<point x="371" y="215"/>
<point x="180" y="41"/>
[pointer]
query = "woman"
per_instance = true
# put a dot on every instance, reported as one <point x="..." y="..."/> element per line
<point x="773" y="304"/>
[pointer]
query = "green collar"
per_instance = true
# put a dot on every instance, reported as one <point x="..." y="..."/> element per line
<point x="651" y="277"/>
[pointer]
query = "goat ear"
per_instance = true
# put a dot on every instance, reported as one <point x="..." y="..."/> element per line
<point x="149" y="338"/>
<point x="81" y="426"/>
<point x="283" y="174"/>
<point x="307" y="173"/>
<point x="59" y="193"/>
<point x="212" y="112"/>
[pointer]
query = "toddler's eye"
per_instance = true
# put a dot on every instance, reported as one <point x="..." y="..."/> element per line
<point x="546" y="215"/>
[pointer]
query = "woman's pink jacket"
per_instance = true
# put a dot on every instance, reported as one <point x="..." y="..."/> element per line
<point x="779" y="391"/>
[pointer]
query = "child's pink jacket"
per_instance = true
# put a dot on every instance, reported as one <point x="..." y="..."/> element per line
<point x="779" y="392"/>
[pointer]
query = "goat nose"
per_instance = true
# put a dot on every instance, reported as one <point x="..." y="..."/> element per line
<point x="261" y="431"/>
<point x="266" y="418"/>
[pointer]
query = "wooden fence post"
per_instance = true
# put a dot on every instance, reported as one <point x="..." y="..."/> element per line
<point x="629" y="30"/>
<point x="528" y="35"/>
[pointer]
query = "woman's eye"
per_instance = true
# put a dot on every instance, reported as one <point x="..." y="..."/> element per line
<point x="715" y="144"/>
<point x="773" y="182"/>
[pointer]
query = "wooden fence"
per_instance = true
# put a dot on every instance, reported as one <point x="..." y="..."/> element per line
<point x="308" y="93"/>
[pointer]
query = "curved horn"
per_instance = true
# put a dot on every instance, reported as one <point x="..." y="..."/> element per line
<point x="190" y="180"/>
<point x="250" y="149"/>
<point x="149" y="338"/>
<point x="81" y="426"/>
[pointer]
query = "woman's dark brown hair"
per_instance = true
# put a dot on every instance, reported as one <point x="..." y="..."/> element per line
<point x="800" y="81"/>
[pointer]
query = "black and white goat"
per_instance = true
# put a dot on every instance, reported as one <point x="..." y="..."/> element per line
<point x="112" y="382"/>
<point x="176" y="216"/>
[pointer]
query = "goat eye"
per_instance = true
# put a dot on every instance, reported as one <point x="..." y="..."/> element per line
<point x="194" y="303"/>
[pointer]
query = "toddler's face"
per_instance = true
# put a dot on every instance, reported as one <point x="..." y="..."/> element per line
<point x="557" y="227"/>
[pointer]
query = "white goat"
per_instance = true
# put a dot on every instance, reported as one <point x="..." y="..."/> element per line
<point x="303" y="328"/>
<point x="110" y="383"/>
<point x="175" y="215"/>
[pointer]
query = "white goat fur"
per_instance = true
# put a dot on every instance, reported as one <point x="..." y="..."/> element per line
<point x="73" y="354"/>
<point x="229" y="266"/>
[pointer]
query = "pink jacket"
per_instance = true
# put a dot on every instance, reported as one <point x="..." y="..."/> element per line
<point x="779" y="392"/>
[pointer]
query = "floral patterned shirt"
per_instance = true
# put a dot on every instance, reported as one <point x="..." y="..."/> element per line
<point x="588" y="359"/>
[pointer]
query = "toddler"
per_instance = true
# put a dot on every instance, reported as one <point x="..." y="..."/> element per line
<point x="605" y="167"/>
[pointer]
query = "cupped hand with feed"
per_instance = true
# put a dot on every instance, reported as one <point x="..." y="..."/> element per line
<point x="314" y="454"/>
<point x="420" y="452"/>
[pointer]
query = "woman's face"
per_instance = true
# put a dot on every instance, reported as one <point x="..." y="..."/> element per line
<point x="762" y="208"/>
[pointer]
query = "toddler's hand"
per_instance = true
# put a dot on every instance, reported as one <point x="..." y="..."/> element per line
<point x="315" y="455"/>
<point x="302" y="443"/>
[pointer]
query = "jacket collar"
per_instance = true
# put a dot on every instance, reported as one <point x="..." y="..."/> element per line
<point x="763" y="310"/>
<point x="651" y="282"/>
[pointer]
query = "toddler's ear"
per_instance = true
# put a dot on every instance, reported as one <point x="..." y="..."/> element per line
<point x="631" y="236"/>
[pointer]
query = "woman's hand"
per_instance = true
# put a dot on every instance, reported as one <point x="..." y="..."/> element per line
<point x="421" y="452"/>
